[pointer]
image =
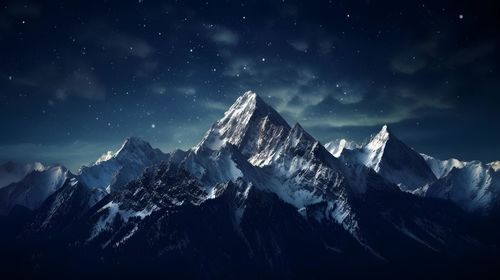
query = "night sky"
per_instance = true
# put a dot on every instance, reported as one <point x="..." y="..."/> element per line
<point x="78" y="77"/>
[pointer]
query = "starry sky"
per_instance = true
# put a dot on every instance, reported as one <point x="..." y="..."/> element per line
<point x="78" y="77"/>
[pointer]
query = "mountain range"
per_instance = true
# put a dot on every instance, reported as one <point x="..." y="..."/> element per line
<point x="255" y="198"/>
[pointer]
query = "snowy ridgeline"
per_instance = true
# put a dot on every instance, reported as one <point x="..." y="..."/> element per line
<point x="474" y="186"/>
<point x="252" y="149"/>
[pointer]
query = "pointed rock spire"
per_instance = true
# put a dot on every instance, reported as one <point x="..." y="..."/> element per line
<point x="380" y="139"/>
<point x="394" y="160"/>
<point x="250" y="124"/>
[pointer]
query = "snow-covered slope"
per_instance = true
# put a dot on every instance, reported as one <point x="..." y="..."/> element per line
<point x="287" y="162"/>
<point x="31" y="191"/>
<point x="441" y="168"/>
<point x="251" y="125"/>
<point x="336" y="147"/>
<point x="392" y="159"/>
<point x="114" y="170"/>
<point x="254" y="191"/>
<point x="474" y="186"/>
<point x="11" y="172"/>
<point x="66" y="205"/>
<point x="302" y="171"/>
<point x="495" y="165"/>
<point x="252" y="150"/>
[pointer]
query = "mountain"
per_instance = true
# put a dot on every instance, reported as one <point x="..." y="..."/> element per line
<point x="84" y="190"/>
<point x="441" y="168"/>
<point x="33" y="189"/>
<point x="65" y="206"/>
<point x="108" y="173"/>
<point x="284" y="160"/>
<point x="255" y="198"/>
<point x="392" y="159"/>
<point x="495" y="165"/>
<point x="12" y="172"/>
<point x="252" y="126"/>
<point x="254" y="148"/>
<point x="298" y="167"/>
<point x="113" y="170"/>
<point x="336" y="147"/>
<point x="474" y="186"/>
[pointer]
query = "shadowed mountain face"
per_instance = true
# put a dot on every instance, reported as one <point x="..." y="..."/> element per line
<point x="12" y="172"/>
<point x="394" y="160"/>
<point x="112" y="171"/>
<point x="256" y="198"/>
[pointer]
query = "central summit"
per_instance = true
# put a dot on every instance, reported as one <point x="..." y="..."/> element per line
<point x="250" y="124"/>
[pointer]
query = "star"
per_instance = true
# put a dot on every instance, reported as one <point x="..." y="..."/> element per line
<point x="153" y="125"/>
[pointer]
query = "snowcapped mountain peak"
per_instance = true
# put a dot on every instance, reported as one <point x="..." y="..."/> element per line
<point x="249" y="124"/>
<point x="114" y="170"/>
<point x="249" y="100"/>
<point x="105" y="157"/>
<point x="495" y="165"/>
<point x="474" y="186"/>
<point x="132" y="145"/>
<point x="249" y="109"/>
<point x="441" y="168"/>
<point x="380" y="139"/>
<point x="249" y="97"/>
<point x="336" y="147"/>
<point x="394" y="160"/>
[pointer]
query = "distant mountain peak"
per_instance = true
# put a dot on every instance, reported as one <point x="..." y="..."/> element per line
<point x="336" y="147"/>
<point x="131" y="145"/>
<point x="495" y="165"/>
<point x="394" y="160"/>
<point x="441" y="168"/>
<point x="113" y="170"/>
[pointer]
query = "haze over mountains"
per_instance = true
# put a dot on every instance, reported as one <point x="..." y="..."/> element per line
<point x="256" y="197"/>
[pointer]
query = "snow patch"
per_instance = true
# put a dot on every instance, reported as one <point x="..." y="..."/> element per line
<point x="113" y="210"/>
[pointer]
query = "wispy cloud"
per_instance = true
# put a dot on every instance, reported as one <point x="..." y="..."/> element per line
<point x="127" y="44"/>
<point x="303" y="93"/>
<point x="222" y="35"/>
<point x="120" y="43"/>
<point x="63" y="82"/>
<point x="416" y="57"/>
<point x="81" y="83"/>
<point x="470" y="54"/>
<point x="300" y="46"/>
<point x="431" y="53"/>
